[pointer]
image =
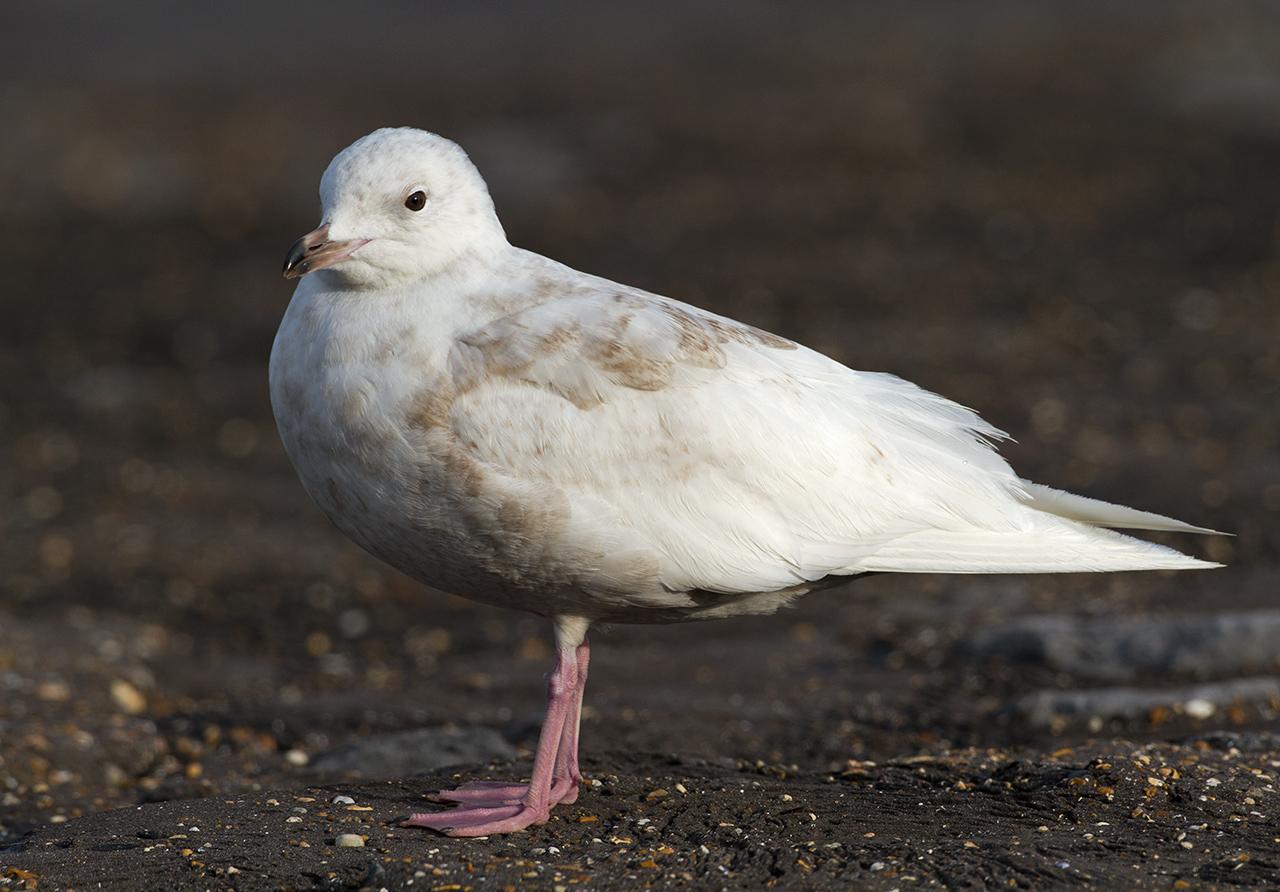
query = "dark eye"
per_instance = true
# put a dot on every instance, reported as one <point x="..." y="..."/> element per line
<point x="417" y="201"/>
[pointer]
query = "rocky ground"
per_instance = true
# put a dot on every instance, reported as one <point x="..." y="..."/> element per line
<point x="1067" y="222"/>
<point x="1110" y="814"/>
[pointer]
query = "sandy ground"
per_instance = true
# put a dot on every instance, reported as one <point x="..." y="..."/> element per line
<point x="1067" y="222"/>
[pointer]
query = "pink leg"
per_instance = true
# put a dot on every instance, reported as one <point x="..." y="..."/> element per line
<point x="568" y="767"/>
<point x="565" y="779"/>
<point x="490" y="807"/>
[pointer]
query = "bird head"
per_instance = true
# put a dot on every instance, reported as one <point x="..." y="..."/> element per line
<point x="397" y="205"/>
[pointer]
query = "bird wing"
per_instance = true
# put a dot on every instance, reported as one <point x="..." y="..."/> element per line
<point x="744" y="461"/>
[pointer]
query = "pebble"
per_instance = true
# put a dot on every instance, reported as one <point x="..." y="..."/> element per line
<point x="53" y="691"/>
<point x="127" y="697"/>
<point x="349" y="841"/>
<point x="342" y="800"/>
<point x="297" y="757"/>
<point x="1199" y="708"/>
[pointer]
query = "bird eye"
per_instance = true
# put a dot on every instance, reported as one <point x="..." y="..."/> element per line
<point x="417" y="201"/>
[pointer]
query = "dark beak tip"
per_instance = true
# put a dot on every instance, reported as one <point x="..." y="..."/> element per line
<point x="294" y="265"/>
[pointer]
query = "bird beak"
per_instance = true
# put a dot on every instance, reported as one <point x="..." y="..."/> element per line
<point x="315" y="251"/>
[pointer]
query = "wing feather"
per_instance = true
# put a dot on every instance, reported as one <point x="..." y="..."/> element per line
<point x="747" y="462"/>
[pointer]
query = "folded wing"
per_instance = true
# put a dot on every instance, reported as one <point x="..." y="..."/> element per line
<point x="748" y="463"/>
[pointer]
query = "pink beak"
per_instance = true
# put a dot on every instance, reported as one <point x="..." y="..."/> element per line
<point x="315" y="251"/>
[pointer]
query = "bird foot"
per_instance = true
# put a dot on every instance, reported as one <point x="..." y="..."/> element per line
<point x="490" y="794"/>
<point x="491" y="807"/>
<point x="481" y="820"/>
<point x="487" y="807"/>
<point x="483" y="793"/>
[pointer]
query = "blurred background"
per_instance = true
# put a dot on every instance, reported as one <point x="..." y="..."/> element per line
<point x="1066" y="216"/>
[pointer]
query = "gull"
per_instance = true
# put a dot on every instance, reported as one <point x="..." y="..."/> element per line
<point x="503" y="427"/>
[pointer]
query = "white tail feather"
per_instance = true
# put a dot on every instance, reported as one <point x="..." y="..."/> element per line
<point x="1063" y="547"/>
<point x="1103" y="514"/>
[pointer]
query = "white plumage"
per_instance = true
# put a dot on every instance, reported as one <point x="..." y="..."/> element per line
<point x="504" y="427"/>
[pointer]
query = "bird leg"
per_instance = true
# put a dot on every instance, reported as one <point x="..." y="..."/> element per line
<point x="565" y="779"/>
<point x="488" y="807"/>
<point x="568" y="755"/>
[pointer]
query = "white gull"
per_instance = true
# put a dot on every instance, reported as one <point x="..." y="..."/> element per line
<point x="500" y="426"/>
